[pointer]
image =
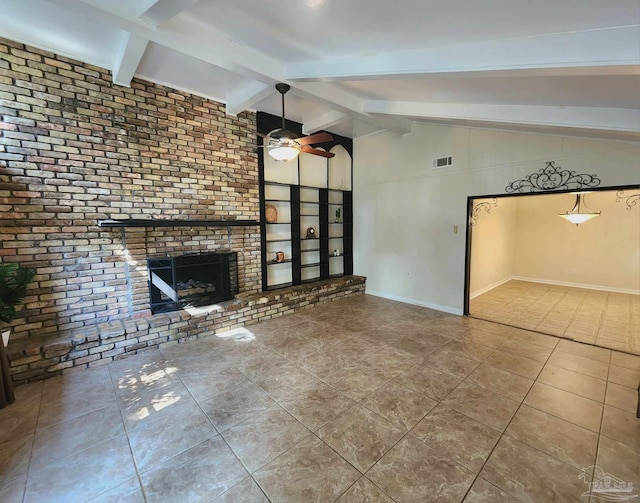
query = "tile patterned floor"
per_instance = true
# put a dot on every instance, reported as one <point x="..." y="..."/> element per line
<point x="361" y="399"/>
<point x="606" y="319"/>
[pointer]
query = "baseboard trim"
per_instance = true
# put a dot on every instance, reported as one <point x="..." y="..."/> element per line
<point x="475" y="294"/>
<point x="576" y="285"/>
<point x="437" y="307"/>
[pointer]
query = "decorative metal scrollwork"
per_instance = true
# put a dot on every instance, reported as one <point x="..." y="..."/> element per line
<point x="552" y="178"/>
<point x="482" y="206"/>
<point x="629" y="201"/>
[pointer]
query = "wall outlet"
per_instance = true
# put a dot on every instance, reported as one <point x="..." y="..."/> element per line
<point x="409" y="275"/>
<point x="572" y="272"/>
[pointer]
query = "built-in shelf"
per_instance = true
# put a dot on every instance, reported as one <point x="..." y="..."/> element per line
<point x="271" y="262"/>
<point x="307" y="192"/>
<point x="134" y="222"/>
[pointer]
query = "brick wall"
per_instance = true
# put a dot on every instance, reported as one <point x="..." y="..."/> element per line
<point x="75" y="148"/>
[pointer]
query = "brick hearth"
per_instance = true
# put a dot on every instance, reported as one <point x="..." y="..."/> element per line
<point x="100" y="344"/>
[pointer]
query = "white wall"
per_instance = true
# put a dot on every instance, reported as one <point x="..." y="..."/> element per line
<point x="405" y="212"/>
<point x="524" y="238"/>
<point x="493" y="245"/>
<point x="603" y="252"/>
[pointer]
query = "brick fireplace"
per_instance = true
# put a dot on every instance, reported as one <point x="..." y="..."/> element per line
<point x="75" y="149"/>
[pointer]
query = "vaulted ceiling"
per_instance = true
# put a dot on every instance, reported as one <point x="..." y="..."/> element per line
<point x="360" y="66"/>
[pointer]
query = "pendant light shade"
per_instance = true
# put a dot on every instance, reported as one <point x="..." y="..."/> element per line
<point x="284" y="152"/>
<point x="580" y="213"/>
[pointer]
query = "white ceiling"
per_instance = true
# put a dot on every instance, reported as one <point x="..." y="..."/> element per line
<point x="360" y="66"/>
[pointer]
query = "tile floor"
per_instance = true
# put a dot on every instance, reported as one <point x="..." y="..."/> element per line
<point x="606" y="319"/>
<point x="362" y="399"/>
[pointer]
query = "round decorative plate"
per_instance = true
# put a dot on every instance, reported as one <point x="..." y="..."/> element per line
<point x="271" y="214"/>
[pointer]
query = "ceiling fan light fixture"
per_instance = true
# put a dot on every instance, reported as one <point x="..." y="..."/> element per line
<point x="580" y="213"/>
<point x="284" y="153"/>
<point x="285" y="145"/>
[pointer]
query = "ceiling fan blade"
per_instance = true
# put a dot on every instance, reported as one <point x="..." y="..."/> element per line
<point x="317" y="151"/>
<point x="314" y="138"/>
<point x="261" y="135"/>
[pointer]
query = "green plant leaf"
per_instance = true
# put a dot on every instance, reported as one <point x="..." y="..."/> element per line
<point x="14" y="281"/>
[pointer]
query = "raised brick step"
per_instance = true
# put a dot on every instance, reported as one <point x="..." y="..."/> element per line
<point x="90" y="346"/>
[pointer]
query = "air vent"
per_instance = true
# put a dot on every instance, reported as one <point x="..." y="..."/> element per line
<point x="442" y="162"/>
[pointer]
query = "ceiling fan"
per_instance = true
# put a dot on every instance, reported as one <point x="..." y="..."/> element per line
<point x="285" y="145"/>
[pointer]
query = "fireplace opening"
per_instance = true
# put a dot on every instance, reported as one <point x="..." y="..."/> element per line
<point x="192" y="280"/>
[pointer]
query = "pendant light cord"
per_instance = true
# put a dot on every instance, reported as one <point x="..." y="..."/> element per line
<point x="282" y="96"/>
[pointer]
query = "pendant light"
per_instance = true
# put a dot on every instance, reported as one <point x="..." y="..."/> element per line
<point x="580" y="213"/>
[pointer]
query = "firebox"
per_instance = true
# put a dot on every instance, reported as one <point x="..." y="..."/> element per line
<point x="192" y="280"/>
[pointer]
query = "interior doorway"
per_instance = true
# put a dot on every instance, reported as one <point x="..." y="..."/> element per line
<point x="529" y="268"/>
